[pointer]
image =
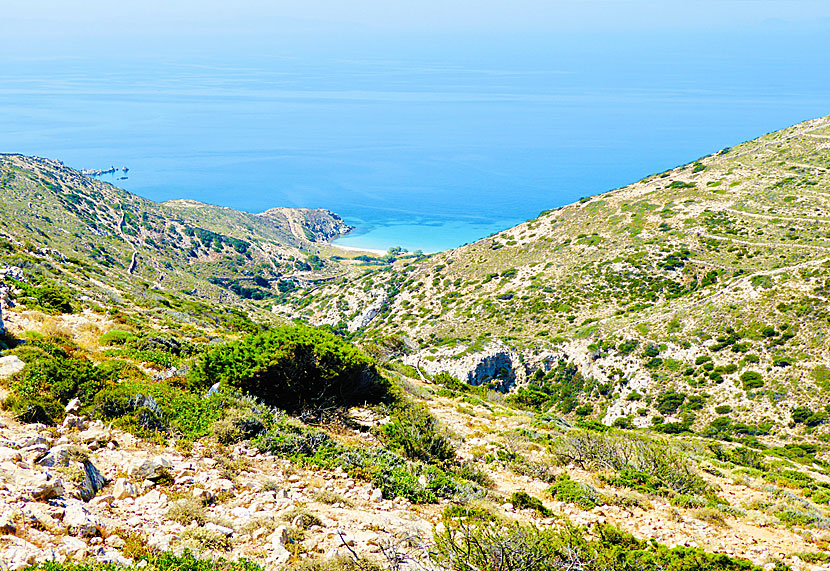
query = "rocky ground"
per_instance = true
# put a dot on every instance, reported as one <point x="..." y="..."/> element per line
<point x="84" y="490"/>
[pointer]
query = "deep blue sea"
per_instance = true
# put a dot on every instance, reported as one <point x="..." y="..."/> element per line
<point x="427" y="145"/>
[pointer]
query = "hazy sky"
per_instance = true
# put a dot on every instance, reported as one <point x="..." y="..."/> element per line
<point x="36" y="22"/>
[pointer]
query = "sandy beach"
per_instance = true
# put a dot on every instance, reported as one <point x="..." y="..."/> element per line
<point x="353" y="249"/>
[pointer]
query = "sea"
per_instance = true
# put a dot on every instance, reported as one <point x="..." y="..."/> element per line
<point x="425" y="144"/>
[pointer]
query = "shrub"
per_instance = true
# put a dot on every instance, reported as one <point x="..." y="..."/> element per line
<point x="514" y="547"/>
<point x="710" y="515"/>
<point x="298" y="369"/>
<point x="115" y="337"/>
<point x="567" y="490"/>
<point x="307" y="519"/>
<point x="166" y="561"/>
<point x="337" y="563"/>
<point x="451" y="383"/>
<point x="236" y="425"/>
<point x="187" y="510"/>
<point x="637" y="462"/>
<point x="393" y="474"/>
<point x="48" y="383"/>
<point x="752" y="380"/>
<point x="207" y="539"/>
<point x="524" y="501"/>
<point x="687" y="501"/>
<point x="584" y="410"/>
<point x="669" y="401"/>
<point x="415" y="433"/>
<point x="723" y="409"/>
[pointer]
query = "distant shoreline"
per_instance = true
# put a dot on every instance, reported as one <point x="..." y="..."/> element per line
<point x="355" y="249"/>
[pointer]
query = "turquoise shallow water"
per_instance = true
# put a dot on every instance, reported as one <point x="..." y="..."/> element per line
<point x="421" y="144"/>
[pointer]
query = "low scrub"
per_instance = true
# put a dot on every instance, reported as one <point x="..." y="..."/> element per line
<point x="416" y="434"/>
<point x="507" y="548"/>
<point x="166" y="561"/>
<point x="392" y="473"/>
<point x="644" y="464"/>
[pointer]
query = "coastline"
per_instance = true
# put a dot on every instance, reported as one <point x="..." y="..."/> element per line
<point x="356" y="249"/>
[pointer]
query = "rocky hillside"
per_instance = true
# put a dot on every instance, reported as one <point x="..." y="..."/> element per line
<point x="117" y="248"/>
<point x="709" y="279"/>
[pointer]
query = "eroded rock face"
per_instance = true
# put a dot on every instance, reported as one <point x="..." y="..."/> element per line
<point x="495" y="363"/>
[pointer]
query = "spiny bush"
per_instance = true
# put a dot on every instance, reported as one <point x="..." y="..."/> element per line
<point x="338" y="563"/>
<point x="524" y="501"/>
<point x="115" y="337"/>
<point x="416" y="434"/>
<point x="296" y="368"/>
<point x="648" y="464"/>
<point x="50" y="380"/>
<point x="507" y="548"/>
<point x="392" y="473"/>
<point x="567" y="490"/>
<point x="186" y="511"/>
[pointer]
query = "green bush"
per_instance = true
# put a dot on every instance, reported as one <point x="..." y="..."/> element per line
<point x="669" y="401"/>
<point x="41" y="390"/>
<point x="647" y="464"/>
<point x="294" y="368"/>
<point x="752" y="380"/>
<point x="567" y="490"/>
<point x="186" y="511"/>
<point x="47" y="297"/>
<point x="525" y="548"/>
<point x="524" y="501"/>
<point x="415" y="433"/>
<point x="115" y="337"/>
<point x="166" y="561"/>
<point x="392" y="473"/>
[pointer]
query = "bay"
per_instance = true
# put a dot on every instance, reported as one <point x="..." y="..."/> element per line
<point x="421" y="143"/>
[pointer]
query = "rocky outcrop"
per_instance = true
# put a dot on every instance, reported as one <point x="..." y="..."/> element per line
<point x="309" y="224"/>
<point x="369" y="312"/>
<point x="496" y="363"/>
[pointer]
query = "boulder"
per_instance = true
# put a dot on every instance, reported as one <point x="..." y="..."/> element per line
<point x="39" y="485"/>
<point x="10" y="365"/>
<point x="89" y="480"/>
<point x="95" y="436"/>
<point x="280" y="536"/>
<point x="124" y="489"/>
<point x="73" y="406"/>
<point x="93" y="481"/>
<point x="9" y="454"/>
<point x="7" y="525"/>
<point x="151" y="469"/>
<point x="79" y="521"/>
<point x="37" y="515"/>
<point x="56" y="456"/>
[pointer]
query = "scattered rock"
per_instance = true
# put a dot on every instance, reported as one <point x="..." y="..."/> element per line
<point x="80" y="522"/>
<point x="73" y="406"/>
